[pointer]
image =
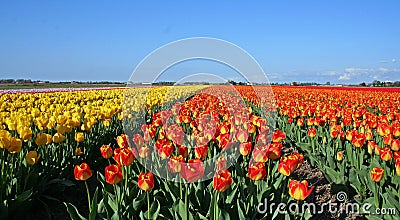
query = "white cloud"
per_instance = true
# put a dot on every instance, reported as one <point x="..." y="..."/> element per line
<point x="345" y="76"/>
<point x="354" y="70"/>
<point x="394" y="60"/>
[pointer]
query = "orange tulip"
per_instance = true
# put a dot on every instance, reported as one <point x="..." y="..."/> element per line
<point x="174" y="164"/>
<point x="245" y="148"/>
<point x="82" y="172"/>
<point x="376" y="174"/>
<point x="339" y="156"/>
<point x="385" y="153"/>
<point x="193" y="170"/>
<point x="222" y="180"/>
<point x="106" y="151"/>
<point x="124" y="156"/>
<point x="256" y="171"/>
<point x="299" y="190"/>
<point x="221" y="163"/>
<point x="123" y="141"/>
<point x="312" y="132"/>
<point x="278" y="136"/>
<point x="395" y="146"/>
<point x="146" y="181"/>
<point x="288" y="164"/>
<point x="113" y="174"/>
<point x="260" y="154"/>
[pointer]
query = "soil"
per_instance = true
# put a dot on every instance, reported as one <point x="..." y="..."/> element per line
<point x="322" y="193"/>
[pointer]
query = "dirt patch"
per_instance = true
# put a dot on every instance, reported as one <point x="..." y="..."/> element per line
<point x="323" y="194"/>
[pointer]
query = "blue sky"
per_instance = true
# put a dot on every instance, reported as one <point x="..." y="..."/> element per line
<point x="337" y="41"/>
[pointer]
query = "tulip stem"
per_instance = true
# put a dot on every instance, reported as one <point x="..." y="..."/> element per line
<point x="186" y="202"/>
<point x="88" y="195"/>
<point x="26" y="179"/>
<point x="148" y="205"/>
<point x="376" y="196"/>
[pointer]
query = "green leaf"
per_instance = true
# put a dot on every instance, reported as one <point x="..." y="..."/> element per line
<point x="93" y="207"/>
<point x="73" y="212"/>
<point x="231" y="196"/>
<point x="180" y="208"/>
<point x="138" y="201"/>
<point x="154" y="210"/>
<point x="240" y="212"/>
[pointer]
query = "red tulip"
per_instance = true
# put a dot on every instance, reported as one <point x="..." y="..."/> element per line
<point x="123" y="141"/>
<point x="106" y="151"/>
<point x="256" y="171"/>
<point x="193" y="170"/>
<point x="146" y="181"/>
<point x="82" y="172"/>
<point x="124" y="156"/>
<point x="299" y="190"/>
<point x="222" y="180"/>
<point x="113" y="174"/>
<point x="376" y="174"/>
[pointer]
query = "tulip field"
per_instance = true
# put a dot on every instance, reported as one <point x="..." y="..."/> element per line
<point x="148" y="153"/>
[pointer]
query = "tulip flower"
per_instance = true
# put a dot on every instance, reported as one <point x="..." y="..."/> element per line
<point x="78" y="151"/>
<point x="123" y="141"/>
<point x="174" y="164"/>
<point x="256" y="171"/>
<point x="274" y="150"/>
<point x="385" y="153"/>
<point x="164" y="148"/>
<point x="201" y="151"/>
<point x="221" y="163"/>
<point x="193" y="170"/>
<point x="183" y="151"/>
<point x="278" y="136"/>
<point x="15" y="145"/>
<point x="245" y="148"/>
<point x="339" y="156"/>
<point x="82" y="172"/>
<point x="113" y="174"/>
<point x="299" y="190"/>
<point x="300" y="122"/>
<point x="397" y="166"/>
<point x="106" y="151"/>
<point x="144" y="151"/>
<point x="222" y="180"/>
<point x="5" y="139"/>
<point x="41" y="139"/>
<point x="242" y="136"/>
<point x="288" y="164"/>
<point x="32" y="157"/>
<point x="395" y="146"/>
<point x="358" y="139"/>
<point x="312" y="132"/>
<point x="146" y="181"/>
<point x="124" y="156"/>
<point x="79" y="137"/>
<point x="58" y="138"/>
<point x="260" y="154"/>
<point x="376" y="174"/>
<point x="138" y="140"/>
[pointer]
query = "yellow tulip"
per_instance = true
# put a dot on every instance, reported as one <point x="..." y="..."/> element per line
<point x="41" y="139"/>
<point x="32" y="157"/>
<point x="79" y="136"/>
<point x="15" y="146"/>
<point x="57" y="138"/>
<point x="5" y="139"/>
